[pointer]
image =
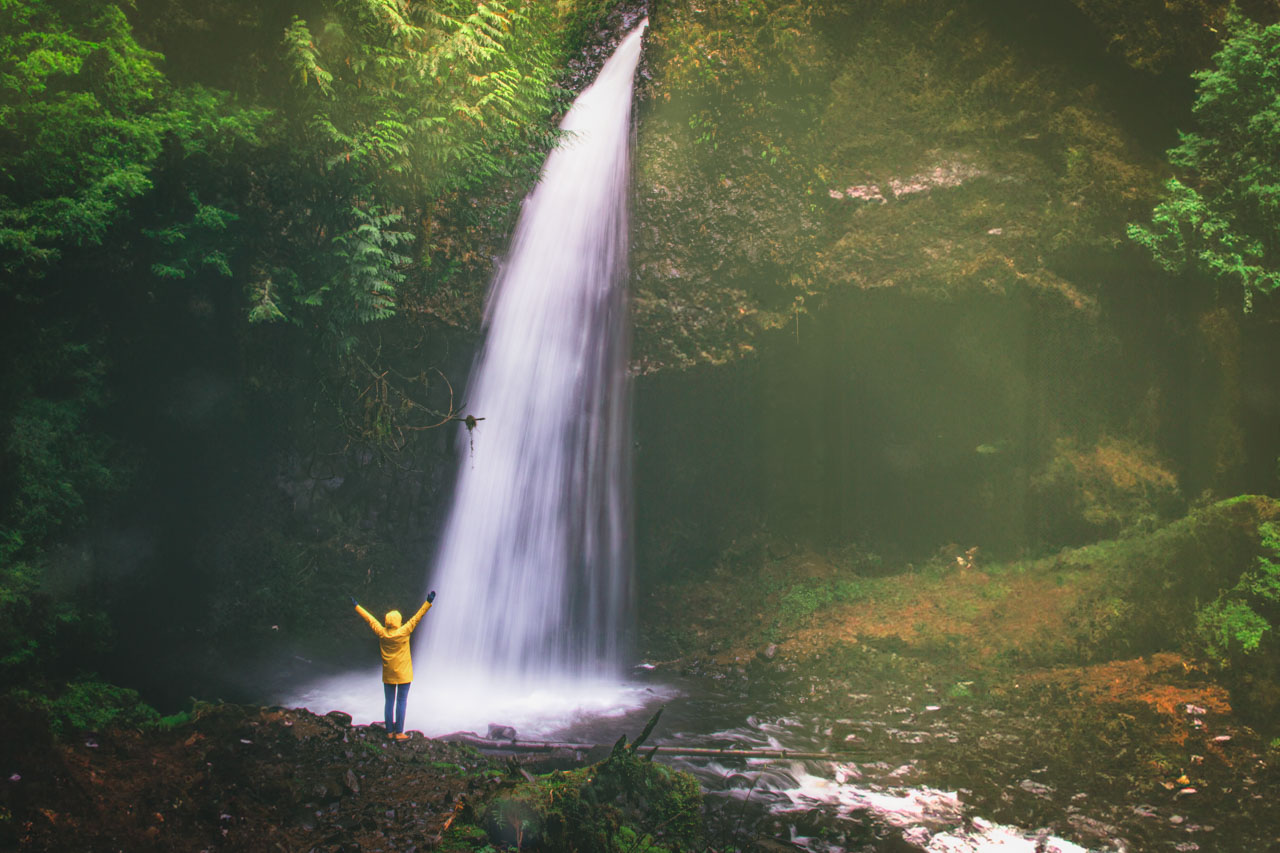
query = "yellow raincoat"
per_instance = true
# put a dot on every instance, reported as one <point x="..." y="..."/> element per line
<point x="397" y="666"/>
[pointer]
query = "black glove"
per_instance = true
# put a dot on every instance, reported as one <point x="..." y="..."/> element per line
<point x="354" y="603"/>
<point x="431" y="596"/>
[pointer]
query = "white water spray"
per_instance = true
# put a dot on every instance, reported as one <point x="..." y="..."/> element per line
<point x="534" y="566"/>
<point x="533" y="571"/>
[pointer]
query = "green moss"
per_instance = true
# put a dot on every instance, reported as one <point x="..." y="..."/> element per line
<point x="621" y="804"/>
<point x="802" y="601"/>
<point x="1112" y="487"/>
<point x="852" y="590"/>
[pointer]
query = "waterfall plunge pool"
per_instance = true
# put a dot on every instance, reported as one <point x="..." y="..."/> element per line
<point x="926" y="772"/>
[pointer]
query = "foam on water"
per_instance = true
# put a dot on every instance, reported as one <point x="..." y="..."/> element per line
<point x="439" y="706"/>
<point x="914" y="816"/>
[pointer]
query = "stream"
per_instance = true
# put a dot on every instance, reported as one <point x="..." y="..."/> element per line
<point x="925" y="770"/>
<point x="933" y="774"/>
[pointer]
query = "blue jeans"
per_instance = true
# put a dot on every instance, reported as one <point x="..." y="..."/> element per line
<point x="397" y="696"/>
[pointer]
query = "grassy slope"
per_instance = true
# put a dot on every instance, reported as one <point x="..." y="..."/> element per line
<point x="1080" y="608"/>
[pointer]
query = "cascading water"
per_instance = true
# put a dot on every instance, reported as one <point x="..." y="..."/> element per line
<point x="533" y="571"/>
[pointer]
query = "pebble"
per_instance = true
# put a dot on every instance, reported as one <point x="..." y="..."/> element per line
<point x="1035" y="788"/>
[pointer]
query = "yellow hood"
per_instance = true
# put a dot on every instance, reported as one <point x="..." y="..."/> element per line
<point x="393" y="619"/>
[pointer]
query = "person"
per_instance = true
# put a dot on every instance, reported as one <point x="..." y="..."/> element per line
<point x="397" y="664"/>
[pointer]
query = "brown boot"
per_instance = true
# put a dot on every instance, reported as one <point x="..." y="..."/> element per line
<point x="401" y="736"/>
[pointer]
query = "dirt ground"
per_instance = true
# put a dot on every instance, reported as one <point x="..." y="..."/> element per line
<point x="235" y="778"/>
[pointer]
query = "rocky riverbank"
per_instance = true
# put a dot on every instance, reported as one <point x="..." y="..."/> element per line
<point x="1071" y="692"/>
<point x="236" y="777"/>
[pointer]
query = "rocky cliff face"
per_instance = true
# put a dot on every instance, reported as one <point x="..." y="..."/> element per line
<point x="880" y="248"/>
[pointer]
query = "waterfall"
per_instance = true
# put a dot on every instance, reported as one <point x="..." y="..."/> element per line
<point x="533" y="570"/>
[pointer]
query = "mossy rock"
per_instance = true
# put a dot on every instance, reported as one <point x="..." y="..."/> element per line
<point x="1147" y="588"/>
<point x="622" y="803"/>
<point x="1113" y="487"/>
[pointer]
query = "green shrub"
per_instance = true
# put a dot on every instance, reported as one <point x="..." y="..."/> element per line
<point x="97" y="706"/>
<point x="1226" y="624"/>
<point x="1237" y="621"/>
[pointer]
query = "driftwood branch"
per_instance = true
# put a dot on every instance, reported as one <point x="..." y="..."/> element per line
<point x="648" y="730"/>
<point x="488" y="745"/>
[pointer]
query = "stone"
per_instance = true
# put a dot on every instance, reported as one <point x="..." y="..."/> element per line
<point x="342" y="718"/>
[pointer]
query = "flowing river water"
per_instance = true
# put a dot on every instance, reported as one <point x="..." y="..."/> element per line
<point x="918" y="770"/>
<point x="921" y="771"/>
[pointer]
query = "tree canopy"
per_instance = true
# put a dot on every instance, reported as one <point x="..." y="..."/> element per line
<point x="163" y="162"/>
<point x="1221" y="213"/>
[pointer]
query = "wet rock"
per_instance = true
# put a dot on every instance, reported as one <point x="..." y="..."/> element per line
<point x="943" y="176"/>
<point x="1089" y="826"/>
<point x="501" y="733"/>
<point x="351" y="782"/>
<point x="1035" y="788"/>
<point x="860" y="192"/>
<point x="340" y="717"/>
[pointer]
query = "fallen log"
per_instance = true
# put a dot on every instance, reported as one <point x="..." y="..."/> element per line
<point x="489" y="745"/>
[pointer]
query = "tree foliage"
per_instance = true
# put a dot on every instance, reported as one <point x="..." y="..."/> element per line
<point x="79" y="126"/>
<point x="397" y="105"/>
<point x="1221" y="213"/>
<point x="296" y="171"/>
